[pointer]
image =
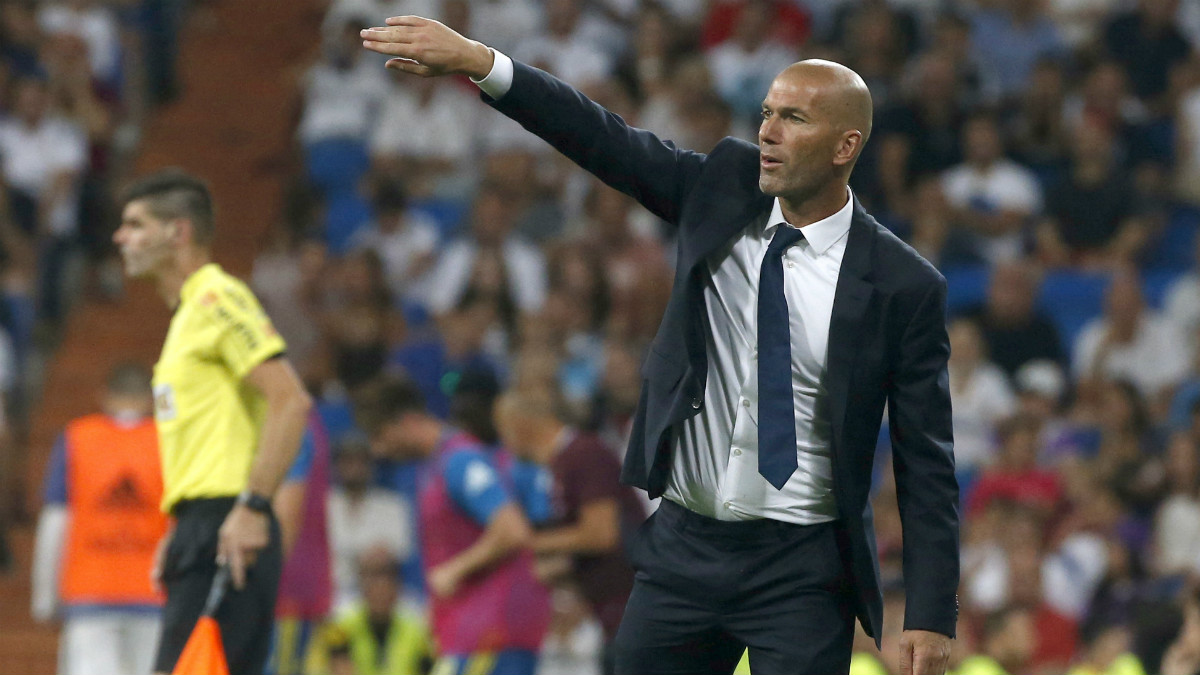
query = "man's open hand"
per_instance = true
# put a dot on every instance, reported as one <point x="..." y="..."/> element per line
<point x="428" y="48"/>
<point x="923" y="652"/>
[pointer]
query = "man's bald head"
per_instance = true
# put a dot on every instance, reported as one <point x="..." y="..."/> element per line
<point x="816" y="118"/>
<point x="844" y="97"/>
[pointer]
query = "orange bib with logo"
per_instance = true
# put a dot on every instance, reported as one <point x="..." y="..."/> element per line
<point x="114" y="483"/>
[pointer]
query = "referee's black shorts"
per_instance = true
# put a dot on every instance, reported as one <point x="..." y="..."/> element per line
<point x="246" y="617"/>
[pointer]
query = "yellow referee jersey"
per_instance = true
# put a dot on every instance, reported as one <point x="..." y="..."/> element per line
<point x="208" y="420"/>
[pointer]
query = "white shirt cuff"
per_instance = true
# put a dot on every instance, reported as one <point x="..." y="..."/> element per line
<point x="499" y="79"/>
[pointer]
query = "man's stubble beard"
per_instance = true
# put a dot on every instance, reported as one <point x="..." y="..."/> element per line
<point x="795" y="193"/>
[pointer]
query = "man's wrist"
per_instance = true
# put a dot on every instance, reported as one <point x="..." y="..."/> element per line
<point x="255" y="502"/>
<point x="483" y="63"/>
<point x="499" y="77"/>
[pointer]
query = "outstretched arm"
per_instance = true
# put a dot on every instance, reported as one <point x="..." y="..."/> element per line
<point x="634" y="161"/>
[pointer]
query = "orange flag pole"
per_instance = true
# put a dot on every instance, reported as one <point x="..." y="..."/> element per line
<point x="204" y="653"/>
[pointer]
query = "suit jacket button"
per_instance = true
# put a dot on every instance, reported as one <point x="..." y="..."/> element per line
<point x="696" y="403"/>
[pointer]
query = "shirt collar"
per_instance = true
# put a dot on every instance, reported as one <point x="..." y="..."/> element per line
<point x="192" y="284"/>
<point x="822" y="234"/>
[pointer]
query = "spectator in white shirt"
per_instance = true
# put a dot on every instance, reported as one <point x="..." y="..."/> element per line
<point x="96" y="25"/>
<point x="991" y="192"/>
<point x="1177" y="521"/>
<point x="341" y="91"/>
<point x="1080" y="21"/>
<point x="564" y="50"/>
<point x="424" y="133"/>
<point x="44" y="157"/>
<point x="405" y="241"/>
<point x="1130" y="342"/>
<point x="982" y="397"/>
<point x="362" y="518"/>
<point x="341" y="10"/>
<point x="491" y="261"/>
<point x="503" y="24"/>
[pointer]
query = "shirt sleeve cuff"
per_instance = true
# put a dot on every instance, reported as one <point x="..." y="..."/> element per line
<point x="499" y="79"/>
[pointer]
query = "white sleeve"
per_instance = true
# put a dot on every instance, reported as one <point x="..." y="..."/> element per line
<point x="387" y="132"/>
<point x="424" y="235"/>
<point x="450" y="277"/>
<point x="1086" y="346"/>
<point x="402" y="526"/>
<point x="527" y="273"/>
<point x="47" y="560"/>
<point x="71" y="149"/>
<point x="499" y="79"/>
<point x="1172" y="349"/>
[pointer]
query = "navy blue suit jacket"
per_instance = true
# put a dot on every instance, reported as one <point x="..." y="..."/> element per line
<point x="887" y="340"/>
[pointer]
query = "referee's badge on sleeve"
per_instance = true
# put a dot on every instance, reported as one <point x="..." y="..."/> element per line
<point x="164" y="402"/>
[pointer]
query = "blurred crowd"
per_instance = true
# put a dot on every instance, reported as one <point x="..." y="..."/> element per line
<point x="1044" y="154"/>
<point x="77" y="79"/>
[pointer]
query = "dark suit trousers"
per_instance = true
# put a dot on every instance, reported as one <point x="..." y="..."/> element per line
<point x="707" y="589"/>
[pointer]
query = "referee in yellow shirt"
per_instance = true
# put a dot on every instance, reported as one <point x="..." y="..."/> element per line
<point x="230" y="412"/>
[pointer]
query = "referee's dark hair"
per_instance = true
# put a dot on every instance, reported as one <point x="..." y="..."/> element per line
<point x="174" y="193"/>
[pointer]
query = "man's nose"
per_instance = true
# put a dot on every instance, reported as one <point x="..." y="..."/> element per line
<point x="766" y="132"/>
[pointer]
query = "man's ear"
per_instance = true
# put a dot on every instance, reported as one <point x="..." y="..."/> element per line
<point x="848" y="149"/>
<point x="181" y="227"/>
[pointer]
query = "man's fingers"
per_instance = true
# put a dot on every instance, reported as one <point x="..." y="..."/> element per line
<point x="388" y="34"/>
<point x="409" y="66"/>
<point x="406" y="21"/>
<point x="388" y="48"/>
<point x="237" y="569"/>
<point x="920" y="663"/>
<point x="928" y="660"/>
<point x="906" y="658"/>
<point x="405" y="51"/>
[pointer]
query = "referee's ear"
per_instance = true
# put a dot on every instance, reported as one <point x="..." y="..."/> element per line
<point x="180" y="226"/>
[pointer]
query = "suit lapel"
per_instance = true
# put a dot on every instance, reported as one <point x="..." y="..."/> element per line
<point x="722" y="205"/>
<point x="850" y="301"/>
<point x="720" y="224"/>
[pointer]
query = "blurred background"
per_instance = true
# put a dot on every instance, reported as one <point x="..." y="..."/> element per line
<point x="1043" y="154"/>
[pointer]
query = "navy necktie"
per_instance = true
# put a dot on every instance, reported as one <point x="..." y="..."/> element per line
<point x="776" y="409"/>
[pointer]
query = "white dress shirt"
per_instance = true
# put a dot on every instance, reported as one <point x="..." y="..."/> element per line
<point x="714" y="469"/>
